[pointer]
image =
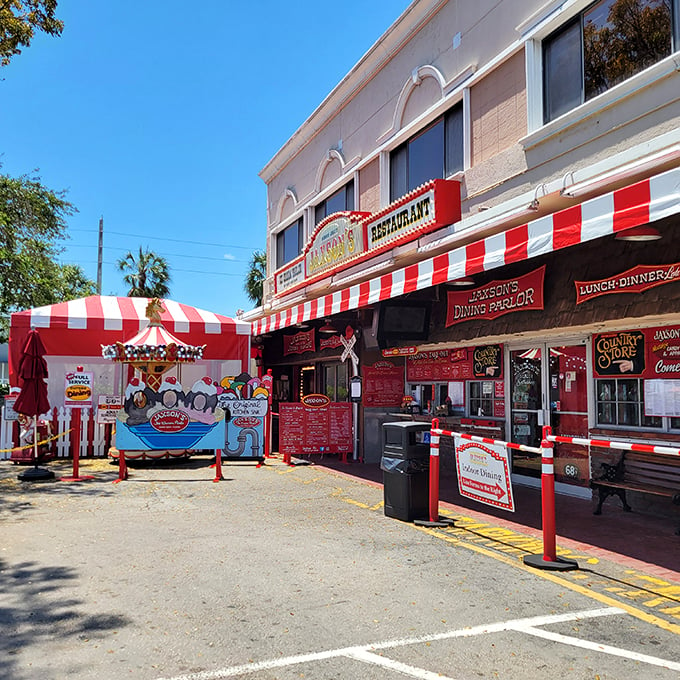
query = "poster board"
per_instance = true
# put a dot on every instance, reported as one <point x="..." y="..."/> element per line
<point x="383" y="384"/>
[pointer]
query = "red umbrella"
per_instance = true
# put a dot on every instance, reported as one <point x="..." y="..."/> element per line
<point x="32" y="373"/>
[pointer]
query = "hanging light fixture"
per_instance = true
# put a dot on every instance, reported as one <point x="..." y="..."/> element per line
<point x="327" y="329"/>
<point x="642" y="233"/>
<point x="464" y="281"/>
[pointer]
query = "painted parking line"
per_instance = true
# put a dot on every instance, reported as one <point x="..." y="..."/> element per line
<point x="366" y="653"/>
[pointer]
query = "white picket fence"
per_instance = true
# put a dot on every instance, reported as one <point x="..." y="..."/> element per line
<point x="63" y="443"/>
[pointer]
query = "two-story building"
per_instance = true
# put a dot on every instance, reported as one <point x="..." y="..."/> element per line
<point x="489" y="203"/>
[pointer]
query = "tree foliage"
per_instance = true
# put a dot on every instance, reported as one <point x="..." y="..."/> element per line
<point x="257" y="272"/>
<point x="32" y="221"/>
<point x="19" y="19"/>
<point x="147" y="274"/>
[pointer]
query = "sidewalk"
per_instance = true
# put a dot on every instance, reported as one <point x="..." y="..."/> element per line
<point x="630" y="539"/>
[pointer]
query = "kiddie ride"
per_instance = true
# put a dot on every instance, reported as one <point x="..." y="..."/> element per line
<point x="162" y="419"/>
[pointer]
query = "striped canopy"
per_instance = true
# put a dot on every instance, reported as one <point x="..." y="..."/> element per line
<point x="79" y="328"/>
<point x="646" y="201"/>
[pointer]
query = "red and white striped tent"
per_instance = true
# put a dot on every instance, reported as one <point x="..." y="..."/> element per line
<point x="79" y="328"/>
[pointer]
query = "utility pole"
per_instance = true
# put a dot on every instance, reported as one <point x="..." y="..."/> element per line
<point x="100" y="256"/>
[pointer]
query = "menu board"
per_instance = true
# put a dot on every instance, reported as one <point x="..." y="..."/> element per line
<point x="662" y="398"/>
<point x="383" y="384"/>
<point x="315" y="429"/>
<point x="439" y="365"/>
<point x="464" y="363"/>
<point x="650" y="353"/>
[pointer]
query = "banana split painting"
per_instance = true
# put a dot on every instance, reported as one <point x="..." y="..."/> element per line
<point x="227" y="415"/>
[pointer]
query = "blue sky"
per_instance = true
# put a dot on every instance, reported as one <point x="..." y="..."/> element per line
<point x="158" y="116"/>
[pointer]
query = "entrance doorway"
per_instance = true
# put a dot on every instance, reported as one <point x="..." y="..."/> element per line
<point x="549" y="386"/>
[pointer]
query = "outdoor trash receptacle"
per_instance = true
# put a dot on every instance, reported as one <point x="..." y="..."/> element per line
<point x="405" y="464"/>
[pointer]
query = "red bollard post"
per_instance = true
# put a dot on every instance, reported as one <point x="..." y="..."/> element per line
<point x="434" y="520"/>
<point x="218" y="466"/>
<point x="76" y="422"/>
<point x="549" y="559"/>
<point x="122" y="468"/>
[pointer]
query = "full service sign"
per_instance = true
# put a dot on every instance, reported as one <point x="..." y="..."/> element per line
<point x="484" y="473"/>
<point x="78" y="390"/>
<point x="497" y="298"/>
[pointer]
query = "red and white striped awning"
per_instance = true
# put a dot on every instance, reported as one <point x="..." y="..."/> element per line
<point x="646" y="201"/>
<point x="153" y="336"/>
<point x="80" y="327"/>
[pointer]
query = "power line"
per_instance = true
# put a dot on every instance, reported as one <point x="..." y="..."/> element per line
<point x="196" y="257"/>
<point x="174" y="240"/>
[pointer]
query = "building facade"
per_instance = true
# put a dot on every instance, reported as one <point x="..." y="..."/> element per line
<point x="488" y="205"/>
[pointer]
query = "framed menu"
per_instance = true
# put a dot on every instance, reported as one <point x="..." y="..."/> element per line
<point x="322" y="428"/>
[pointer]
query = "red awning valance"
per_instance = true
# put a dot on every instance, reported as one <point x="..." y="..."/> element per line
<point x="646" y="201"/>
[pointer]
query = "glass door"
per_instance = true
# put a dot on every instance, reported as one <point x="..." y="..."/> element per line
<point x="549" y="385"/>
<point x="568" y="384"/>
<point x="526" y="407"/>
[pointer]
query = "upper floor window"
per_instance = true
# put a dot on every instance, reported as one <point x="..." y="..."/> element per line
<point x="433" y="153"/>
<point x="341" y="200"/>
<point x="289" y="243"/>
<point x="607" y="43"/>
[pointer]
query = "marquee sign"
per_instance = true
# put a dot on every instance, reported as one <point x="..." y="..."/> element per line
<point x="336" y="240"/>
<point x="497" y="298"/>
<point x="635" y="280"/>
<point x="351" y="237"/>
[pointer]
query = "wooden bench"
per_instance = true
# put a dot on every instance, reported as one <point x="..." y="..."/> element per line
<point x="649" y="473"/>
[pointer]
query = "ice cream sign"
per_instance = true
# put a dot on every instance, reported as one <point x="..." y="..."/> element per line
<point x="171" y="417"/>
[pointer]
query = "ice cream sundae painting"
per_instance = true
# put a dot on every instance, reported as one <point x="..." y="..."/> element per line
<point x="171" y="417"/>
<point x="246" y="401"/>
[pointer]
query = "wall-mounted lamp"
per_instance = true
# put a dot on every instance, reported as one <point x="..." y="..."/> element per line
<point x="641" y="233"/>
<point x="327" y="329"/>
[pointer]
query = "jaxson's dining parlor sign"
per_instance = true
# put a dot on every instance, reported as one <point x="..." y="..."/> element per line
<point x="497" y="298"/>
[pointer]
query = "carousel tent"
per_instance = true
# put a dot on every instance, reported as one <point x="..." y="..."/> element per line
<point x="79" y="328"/>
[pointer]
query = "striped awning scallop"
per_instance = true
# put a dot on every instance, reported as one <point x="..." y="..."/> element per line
<point x="646" y="201"/>
<point x="79" y="328"/>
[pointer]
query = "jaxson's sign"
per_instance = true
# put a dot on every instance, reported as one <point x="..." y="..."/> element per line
<point x="635" y="280"/>
<point x="497" y="298"/>
<point x="352" y="237"/>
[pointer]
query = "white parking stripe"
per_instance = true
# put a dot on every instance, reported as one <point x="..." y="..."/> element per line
<point x="363" y="652"/>
<point x="398" y="666"/>
<point x="605" y="649"/>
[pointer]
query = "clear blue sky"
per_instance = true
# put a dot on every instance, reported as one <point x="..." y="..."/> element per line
<point x="158" y="115"/>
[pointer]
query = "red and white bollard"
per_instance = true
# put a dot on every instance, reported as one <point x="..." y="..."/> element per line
<point x="435" y="520"/>
<point x="549" y="559"/>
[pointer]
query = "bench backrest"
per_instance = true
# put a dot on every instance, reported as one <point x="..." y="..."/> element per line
<point x="653" y="469"/>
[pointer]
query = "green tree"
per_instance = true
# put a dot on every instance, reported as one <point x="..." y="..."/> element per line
<point x="257" y="272"/>
<point x="19" y="19"/>
<point x="32" y="221"/>
<point x="147" y="274"/>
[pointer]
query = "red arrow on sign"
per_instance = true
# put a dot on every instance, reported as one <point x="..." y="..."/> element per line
<point x="494" y="490"/>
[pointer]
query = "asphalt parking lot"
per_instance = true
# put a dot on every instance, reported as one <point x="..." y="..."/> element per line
<point x="289" y="572"/>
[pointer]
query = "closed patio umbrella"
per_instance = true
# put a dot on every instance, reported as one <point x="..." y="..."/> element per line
<point x="33" y="398"/>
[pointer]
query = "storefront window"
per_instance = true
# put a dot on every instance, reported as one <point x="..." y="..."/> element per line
<point x="335" y="385"/>
<point x="621" y="402"/>
<point x="341" y="200"/>
<point x="482" y="401"/>
<point x="289" y="243"/>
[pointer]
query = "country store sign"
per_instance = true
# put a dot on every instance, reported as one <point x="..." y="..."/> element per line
<point x="346" y="238"/>
<point x="497" y="298"/>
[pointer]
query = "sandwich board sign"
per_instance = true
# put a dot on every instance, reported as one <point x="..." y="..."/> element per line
<point x="484" y="473"/>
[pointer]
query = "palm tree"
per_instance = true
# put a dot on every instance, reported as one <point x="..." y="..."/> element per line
<point x="147" y="274"/>
<point x="257" y="272"/>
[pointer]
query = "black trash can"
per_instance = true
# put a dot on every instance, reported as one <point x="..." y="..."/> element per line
<point x="405" y="464"/>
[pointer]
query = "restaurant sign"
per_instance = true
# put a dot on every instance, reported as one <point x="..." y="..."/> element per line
<point x="635" y="280"/>
<point x="299" y="343"/>
<point x="334" y="241"/>
<point x="497" y="298"/>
